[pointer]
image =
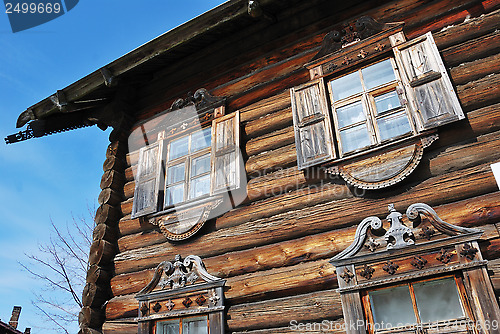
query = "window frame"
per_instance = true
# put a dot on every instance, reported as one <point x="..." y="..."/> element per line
<point x="180" y="321"/>
<point x="367" y="99"/>
<point x="461" y="292"/>
<point x="187" y="161"/>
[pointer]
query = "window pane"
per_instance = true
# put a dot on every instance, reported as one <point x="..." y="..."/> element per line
<point x="378" y="74"/>
<point x="195" y="326"/>
<point x="393" y="125"/>
<point x="354" y="138"/>
<point x="350" y="114"/>
<point x="200" y="165"/>
<point x="346" y="86"/>
<point x="170" y="327"/>
<point x="387" y="101"/>
<point x="438" y="300"/>
<point x="178" y="148"/>
<point x="392" y="307"/>
<point x="199" y="186"/>
<point x="174" y="194"/>
<point x="175" y="173"/>
<point x="201" y="139"/>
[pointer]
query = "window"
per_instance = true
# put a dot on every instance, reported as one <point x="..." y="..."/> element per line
<point x="193" y="325"/>
<point x="426" y="304"/>
<point x="189" y="167"/>
<point x="399" y="93"/>
<point x="367" y="107"/>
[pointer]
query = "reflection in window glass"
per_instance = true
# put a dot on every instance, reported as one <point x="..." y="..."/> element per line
<point x="175" y="173"/>
<point x="392" y="306"/>
<point x="346" y="86"/>
<point x="393" y="125"/>
<point x="201" y="139"/>
<point x="387" y="102"/>
<point x="350" y="114"/>
<point x="170" y="327"/>
<point x="200" y="165"/>
<point x="199" y="186"/>
<point x="378" y="74"/>
<point x="354" y="138"/>
<point x="195" y="326"/>
<point x="438" y="300"/>
<point x="174" y="194"/>
<point x="179" y="148"/>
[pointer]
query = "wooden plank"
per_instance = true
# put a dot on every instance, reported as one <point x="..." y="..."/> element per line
<point x="480" y="93"/>
<point x="475" y="70"/>
<point x="477" y="48"/>
<point x="270" y="141"/>
<point x="274" y="121"/>
<point x="271" y="161"/>
<point x="122" y="326"/>
<point x="265" y="106"/>
<point x="317" y="219"/>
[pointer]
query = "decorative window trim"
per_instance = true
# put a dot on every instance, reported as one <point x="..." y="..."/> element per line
<point x="430" y="248"/>
<point x="179" y="289"/>
<point x="184" y="219"/>
<point x="428" y="99"/>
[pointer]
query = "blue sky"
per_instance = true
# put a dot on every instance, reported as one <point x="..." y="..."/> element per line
<point x="55" y="177"/>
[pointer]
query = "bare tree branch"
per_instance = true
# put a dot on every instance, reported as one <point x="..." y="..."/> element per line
<point x="61" y="265"/>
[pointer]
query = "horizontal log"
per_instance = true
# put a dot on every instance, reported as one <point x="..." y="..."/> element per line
<point x="265" y="106"/>
<point x="94" y="296"/>
<point x="130" y="226"/>
<point x="270" y="161"/>
<point x="475" y="70"/>
<point x="480" y="93"/>
<point x="306" y="327"/>
<point x="122" y="326"/>
<point x="472" y="212"/>
<point x="316" y="306"/>
<point x="105" y="232"/>
<point x="126" y="206"/>
<point x="112" y="179"/>
<point x="269" y="123"/>
<point x="312" y="220"/>
<point x="98" y="275"/>
<point x="270" y="141"/>
<point x="110" y="196"/>
<point x="129" y="189"/>
<point x="113" y="162"/>
<point x="101" y="252"/>
<point x="477" y="48"/>
<point x="107" y="214"/>
<point x="90" y="317"/>
<point x="467" y="30"/>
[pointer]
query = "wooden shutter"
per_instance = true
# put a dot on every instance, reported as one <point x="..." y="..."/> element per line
<point x="311" y="119"/>
<point x="430" y="92"/>
<point x="226" y="157"/>
<point x="148" y="178"/>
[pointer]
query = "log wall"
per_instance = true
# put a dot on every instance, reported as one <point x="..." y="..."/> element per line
<point x="274" y="248"/>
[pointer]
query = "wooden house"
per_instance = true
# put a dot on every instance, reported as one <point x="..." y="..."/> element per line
<point x="254" y="155"/>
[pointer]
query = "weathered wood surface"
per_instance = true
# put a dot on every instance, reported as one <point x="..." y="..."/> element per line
<point x="475" y="70"/>
<point x="105" y="232"/>
<point x="87" y="330"/>
<point x="270" y="141"/>
<point x="453" y="158"/>
<point x="112" y="179"/>
<point x="469" y="212"/>
<point x="98" y="275"/>
<point x="110" y="197"/>
<point x="113" y="163"/>
<point x="94" y="295"/>
<point x="101" y="252"/>
<point x="125" y="326"/>
<point x="89" y="317"/>
<point x="107" y="214"/>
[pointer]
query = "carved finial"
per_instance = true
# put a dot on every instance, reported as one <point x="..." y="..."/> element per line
<point x="398" y="235"/>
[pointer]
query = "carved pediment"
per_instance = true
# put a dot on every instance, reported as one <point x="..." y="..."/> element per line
<point x="179" y="274"/>
<point x="371" y="237"/>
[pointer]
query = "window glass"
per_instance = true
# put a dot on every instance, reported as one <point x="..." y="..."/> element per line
<point x="201" y="139"/>
<point x="393" y="125"/>
<point x="438" y="300"/>
<point x="387" y="102"/>
<point x="168" y="327"/>
<point x="175" y="173"/>
<point x="346" y="86"/>
<point x="200" y="165"/>
<point x="354" y="138"/>
<point x="199" y="186"/>
<point x="179" y="148"/>
<point x="195" y="326"/>
<point x="392" y="307"/>
<point x="378" y="74"/>
<point x="350" y="114"/>
<point x="174" y="194"/>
